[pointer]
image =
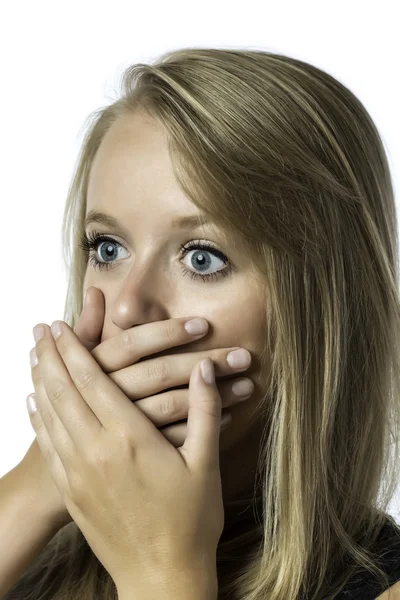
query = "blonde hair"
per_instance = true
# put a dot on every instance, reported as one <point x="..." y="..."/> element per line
<point x="288" y="162"/>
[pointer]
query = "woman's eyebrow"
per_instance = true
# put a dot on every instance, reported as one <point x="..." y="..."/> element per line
<point x="187" y="222"/>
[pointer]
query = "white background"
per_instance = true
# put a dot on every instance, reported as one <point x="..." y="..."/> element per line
<point x="61" y="60"/>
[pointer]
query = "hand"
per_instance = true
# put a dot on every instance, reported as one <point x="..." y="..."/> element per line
<point x="161" y="408"/>
<point x="103" y="453"/>
<point x="116" y="358"/>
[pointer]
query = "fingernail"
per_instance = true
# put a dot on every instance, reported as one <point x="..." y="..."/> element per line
<point x="196" y="326"/>
<point x="38" y="332"/>
<point x="31" y="404"/>
<point x="238" y="359"/>
<point x="207" y="371"/>
<point x="56" y="329"/>
<point x="243" y="388"/>
<point x="33" y="358"/>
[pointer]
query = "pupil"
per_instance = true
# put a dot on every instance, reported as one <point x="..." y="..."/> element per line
<point x="200" y="257"/>
<point x="109" y="250"/>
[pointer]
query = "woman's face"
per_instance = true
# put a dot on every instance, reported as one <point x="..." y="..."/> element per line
<point x="150" y="279"/>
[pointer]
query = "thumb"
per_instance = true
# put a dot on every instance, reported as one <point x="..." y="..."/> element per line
<point x="201" y="446"/>
<point x="89" y="326"/>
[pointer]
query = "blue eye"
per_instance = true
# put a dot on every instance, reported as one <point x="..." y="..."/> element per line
<point x="206" y="248"/>
<point x="91" y="243"/>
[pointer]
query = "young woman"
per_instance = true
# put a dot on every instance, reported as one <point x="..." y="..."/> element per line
<point x="252" y="190"/>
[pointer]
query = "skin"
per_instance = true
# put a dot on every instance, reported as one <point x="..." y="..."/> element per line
<point x="132" y="179"/>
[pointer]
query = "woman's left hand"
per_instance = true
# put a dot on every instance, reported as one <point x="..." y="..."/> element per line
<point x="146" y="508"/>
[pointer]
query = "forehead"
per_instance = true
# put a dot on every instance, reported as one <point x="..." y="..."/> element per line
<point x="132" y="170"/>
<point x="130" y="150"/>
<point x="133" y="143"/>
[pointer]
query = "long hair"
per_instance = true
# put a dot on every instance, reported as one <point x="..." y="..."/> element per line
<point x="290" y="165"/>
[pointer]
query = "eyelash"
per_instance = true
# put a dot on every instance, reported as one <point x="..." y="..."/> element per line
<point x="90" y="242"/>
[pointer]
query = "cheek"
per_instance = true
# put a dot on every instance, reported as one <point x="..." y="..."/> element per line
<point x="91" y="277"/>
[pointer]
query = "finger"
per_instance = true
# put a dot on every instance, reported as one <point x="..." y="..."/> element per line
<point x="61" y="402"/>
<point x="130" y="346"/>
<point x="47" y="414"/>
<point x="89" y="326"/>
<point x="90" y="386"/>
<point x="176" y="434"/>
<point x="158" y="374"/>
<point x="173" y="405"/>
<point x="201" y="447"/>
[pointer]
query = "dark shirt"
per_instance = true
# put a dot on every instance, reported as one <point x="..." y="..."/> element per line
<point x="365" y="585"/>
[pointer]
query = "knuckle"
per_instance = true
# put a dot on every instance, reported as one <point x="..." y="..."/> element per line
<point x="129" y="341"/>
<point x="84" y="380"/>
<point x="171" y="407"/>
<point x="170" y="330"/>
<point x="56" y="392"/>
<point x="159" y="370"/>
<point x="209" y="406"/>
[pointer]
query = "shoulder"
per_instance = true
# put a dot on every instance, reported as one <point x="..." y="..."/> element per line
<point x="393" y="593"/>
